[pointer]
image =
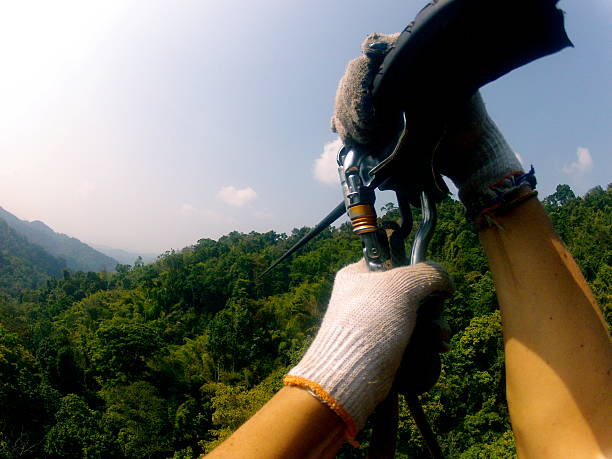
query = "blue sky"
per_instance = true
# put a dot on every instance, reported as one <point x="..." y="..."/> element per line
<point x="147" y="125"/>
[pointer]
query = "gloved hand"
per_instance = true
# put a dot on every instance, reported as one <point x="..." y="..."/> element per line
<point x="474" y="154"/>
<point x="471" y="150"/>
<point x="352" y="361"/>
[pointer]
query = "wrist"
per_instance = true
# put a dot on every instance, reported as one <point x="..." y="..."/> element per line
<point x="501" y="197"/>
<point x="477" y="158"/>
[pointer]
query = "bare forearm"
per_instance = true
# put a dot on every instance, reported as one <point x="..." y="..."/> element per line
<point x="292" y="424"/>
<point x="558" y="352"/>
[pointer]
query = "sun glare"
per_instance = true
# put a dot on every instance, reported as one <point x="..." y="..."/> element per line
<point x="40" y="42"/>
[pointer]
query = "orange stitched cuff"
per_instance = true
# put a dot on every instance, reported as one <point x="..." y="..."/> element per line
<point x="327" y="399"/>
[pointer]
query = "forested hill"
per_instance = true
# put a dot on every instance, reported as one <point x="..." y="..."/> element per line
<point x="24" y="265"/>
<point x="77" y="255"/>
<point x="166" y="360"/>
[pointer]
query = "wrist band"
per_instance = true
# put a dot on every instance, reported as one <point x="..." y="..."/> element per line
<point x="502" y="196"/>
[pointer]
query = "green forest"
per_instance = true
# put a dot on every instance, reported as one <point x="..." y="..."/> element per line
<point x="165" y="360"/>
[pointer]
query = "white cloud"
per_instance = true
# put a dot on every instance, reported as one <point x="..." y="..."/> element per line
<point x="520" y="158"/>
<point x="236" y="197"/>
<point x="582" y="165"/>
<point x="325" y="167"/>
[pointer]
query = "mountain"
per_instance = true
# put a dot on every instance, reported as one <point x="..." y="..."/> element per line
<point x="77" y="255"/>
<point x="24" y="265"/>
<point x="123" y="256"/>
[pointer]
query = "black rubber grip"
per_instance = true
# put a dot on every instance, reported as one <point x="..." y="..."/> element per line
<point x="454" y="47"/>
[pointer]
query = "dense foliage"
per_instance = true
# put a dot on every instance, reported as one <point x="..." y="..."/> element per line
<point x="166" y="360"/>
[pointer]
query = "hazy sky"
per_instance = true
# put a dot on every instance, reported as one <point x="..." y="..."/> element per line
<point x="147" y="125"/>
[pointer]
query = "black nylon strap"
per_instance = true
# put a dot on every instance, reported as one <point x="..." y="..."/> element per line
<point x="454" y="47"/>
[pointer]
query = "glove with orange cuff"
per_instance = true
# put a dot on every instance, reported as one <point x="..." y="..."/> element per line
<point x="351" y="364"/>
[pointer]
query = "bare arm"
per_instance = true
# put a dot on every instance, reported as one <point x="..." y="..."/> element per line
<point x="292" y="424"/>
<point x="558" y="352"/>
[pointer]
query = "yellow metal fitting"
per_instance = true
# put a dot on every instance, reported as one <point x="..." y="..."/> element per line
<point x="363" y="218"/>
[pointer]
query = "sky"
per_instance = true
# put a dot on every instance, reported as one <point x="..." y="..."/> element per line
<point x="147" y="125"/>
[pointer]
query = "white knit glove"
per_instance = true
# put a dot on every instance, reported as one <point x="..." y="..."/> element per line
<point x="352" y="362"/>
<point x="471" y="151"/>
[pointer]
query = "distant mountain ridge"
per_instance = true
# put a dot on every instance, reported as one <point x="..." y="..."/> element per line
<point x="76" y="254"/>
<point x="125" y="256"/>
